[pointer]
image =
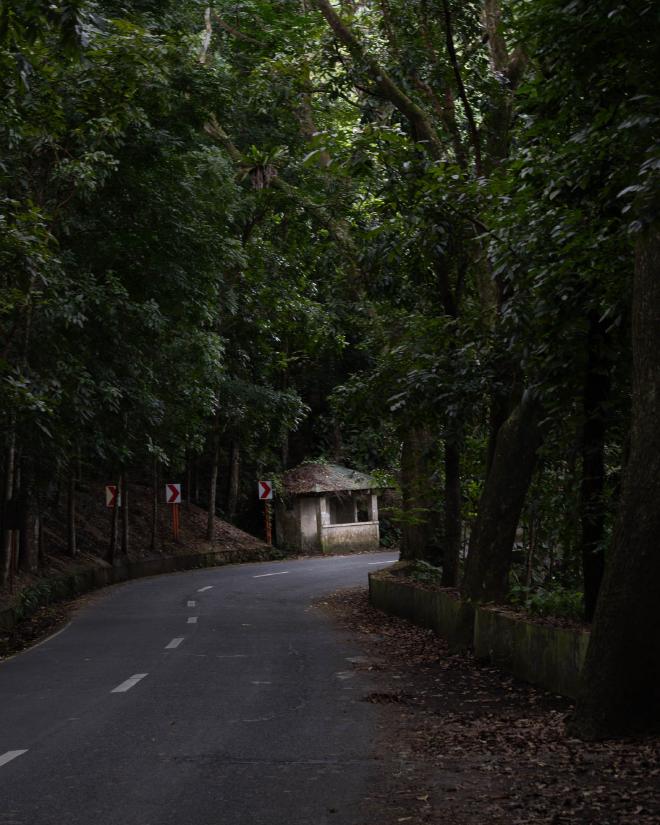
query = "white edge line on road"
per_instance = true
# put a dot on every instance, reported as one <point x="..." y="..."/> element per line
<point x="129" y="683"/>
<point x="208" y="587"/>
<point x="7" y="757"/>
<point x="174" y="643"/>
<point x="192" y="619"/>
<point x="265" y="575"/>
<point x="379" y="563"/>
<point x="192" y="604"/>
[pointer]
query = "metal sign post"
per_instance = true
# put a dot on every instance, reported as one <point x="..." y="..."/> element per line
<point x="268" y="517"/>
<point x="265" y="489"/>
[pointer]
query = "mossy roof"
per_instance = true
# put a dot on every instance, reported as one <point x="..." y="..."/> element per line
<point x="311" y="478"/>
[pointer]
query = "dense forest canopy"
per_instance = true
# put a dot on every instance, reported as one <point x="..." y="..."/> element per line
<point x="415" y="236"/>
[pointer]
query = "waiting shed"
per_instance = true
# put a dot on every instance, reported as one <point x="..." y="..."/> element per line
<point x="327" y="508"/>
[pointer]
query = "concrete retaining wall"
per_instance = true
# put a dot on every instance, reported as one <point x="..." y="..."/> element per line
<point x="550" y="657"/>
<point x="438" y="610"/>
<point x="86" y="579"/>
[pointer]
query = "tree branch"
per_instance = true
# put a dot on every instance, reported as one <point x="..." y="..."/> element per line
<point x="472" y="125"/>
<point x="496" y="44"/>
<point x="508" y="65"/>
<point x="422" y="128"/>
<point x="208" y="34"/>
<point x="235" y="32"/>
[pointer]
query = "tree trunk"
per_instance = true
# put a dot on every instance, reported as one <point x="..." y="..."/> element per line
<point x="41" y="540"/>
<point x="123" y="488"/>
<point x="420" y="523"/>
<point x="72" y="542"/>
<point x="502" y="500"/>
<point x="28" y="523"/>
<point x="188" y="490"/>
<point x="592" y="506"/>
<point x="234" y="479"/>
<point x="213" y="487"/>
<point x="7" y="530"/>
<point x="114" y="528"/>
<point x="621" y="675"/>
<point x="452" y="533"/>
<point x="154" y="508"/>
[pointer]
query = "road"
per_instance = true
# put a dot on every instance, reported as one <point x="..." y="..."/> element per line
<point x="213" y="697"/>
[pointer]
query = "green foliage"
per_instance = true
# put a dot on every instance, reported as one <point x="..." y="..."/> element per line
<point x="32" y="598"/>
<point x="422" y="571"/>
<point x="554" y="601"/>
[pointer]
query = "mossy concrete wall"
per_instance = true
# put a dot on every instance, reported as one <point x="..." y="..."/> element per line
<point x="60" y="588"/>
<point x="550" y="657"/>
<point x="438" y="610"/>
<point x="360" y="537"/>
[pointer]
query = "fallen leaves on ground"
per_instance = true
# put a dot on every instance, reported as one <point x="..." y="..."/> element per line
<point x="467" y="744"/>
<point x="43" y="623"/>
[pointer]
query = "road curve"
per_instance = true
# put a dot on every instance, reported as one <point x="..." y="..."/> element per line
<point x="213" y="697"/>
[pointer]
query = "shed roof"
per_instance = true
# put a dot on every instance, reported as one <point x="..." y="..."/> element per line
<point x="325" y="478"/>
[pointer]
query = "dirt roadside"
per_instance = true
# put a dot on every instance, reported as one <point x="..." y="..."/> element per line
<point x="466" y="744"/>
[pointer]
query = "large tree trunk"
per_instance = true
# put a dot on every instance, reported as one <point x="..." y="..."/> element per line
<point x="420" y="527"/>
<point x="234" y="479"/>
<point x="592" y="509"/>
<point x="621" y="676"/>
<point x="494" y="532"/>
<point x="451" y="550"/>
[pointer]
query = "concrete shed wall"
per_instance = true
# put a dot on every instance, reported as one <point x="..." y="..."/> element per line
<point x="364" y="535"/>
<point x="287" y="527"/>
<point x="309" y="537"/>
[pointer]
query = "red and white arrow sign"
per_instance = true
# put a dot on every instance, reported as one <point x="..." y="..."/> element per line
<point x="173" y="493"/>
<point x="265" y="490"/>
<point x="112" y="497"/>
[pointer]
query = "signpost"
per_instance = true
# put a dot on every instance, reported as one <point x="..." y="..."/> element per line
<point x="266" y="494"/>
<point x="173" y="497"/>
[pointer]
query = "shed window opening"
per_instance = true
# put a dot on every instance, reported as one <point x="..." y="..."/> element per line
<point x="362" y="510"/>
<point x="342" y="510"/>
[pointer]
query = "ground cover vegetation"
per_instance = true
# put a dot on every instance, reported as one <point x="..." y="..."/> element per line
<point x="420" y="236"/>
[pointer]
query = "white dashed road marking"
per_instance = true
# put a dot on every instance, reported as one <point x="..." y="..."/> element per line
<point x="192" y="619"/>
<point x="265" y="575"/>
<point x="7" y="757"/>
<point x="129" y="683"/>
<point x="203" y="589"/>
<point x="192" y="604"/>
<point x="174" y="643"/>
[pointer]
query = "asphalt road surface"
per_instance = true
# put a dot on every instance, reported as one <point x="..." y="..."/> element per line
<point x="214" y="697"/>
